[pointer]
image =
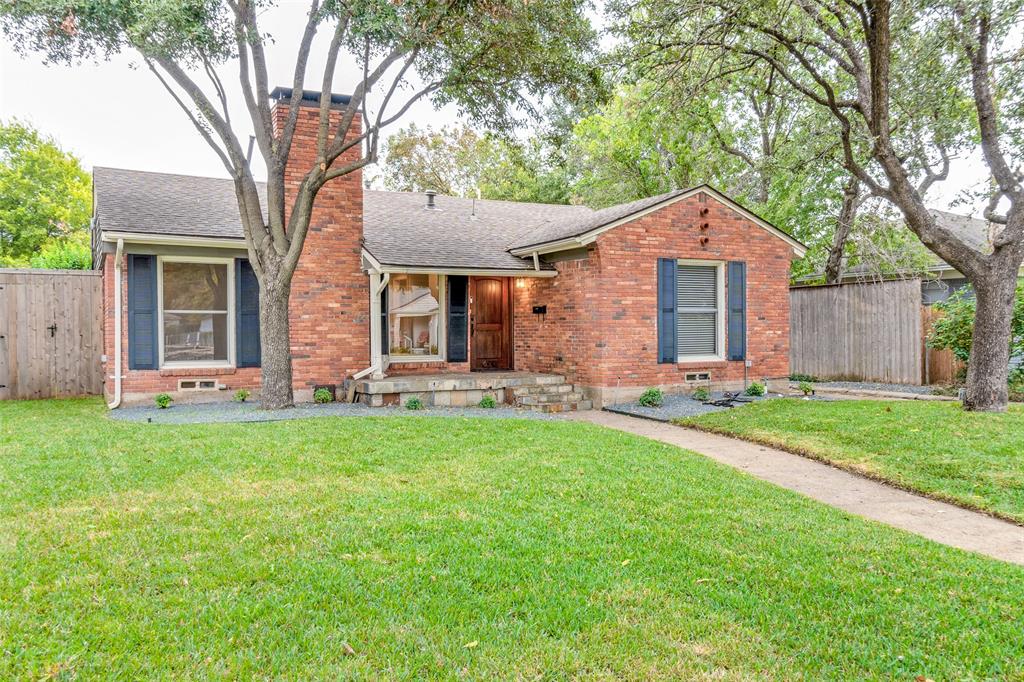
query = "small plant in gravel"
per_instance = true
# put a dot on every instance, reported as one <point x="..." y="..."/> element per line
<point x="806" y="387"/>
<point x="163" y="401"/>
<point x="702" y="393"/>
<point x="322" y="395"/>
<point x="415" y="404"/>
<point x="241" y="395"/>
<point x="756" y="388"/>
<point x="488" y="402"/>
<point x="652" y="397"/>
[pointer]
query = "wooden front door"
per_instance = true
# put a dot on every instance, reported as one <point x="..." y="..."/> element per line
<point x="491" y="330"/>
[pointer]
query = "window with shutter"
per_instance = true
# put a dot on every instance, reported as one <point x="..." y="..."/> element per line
<point x="698" y="310"/>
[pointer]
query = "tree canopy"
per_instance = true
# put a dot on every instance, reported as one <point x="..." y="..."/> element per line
<point x="45" y="195"/>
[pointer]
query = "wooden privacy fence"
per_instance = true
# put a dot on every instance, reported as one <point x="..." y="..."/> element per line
<point x="858" y="332"/>
<point x="940" y="366"/>
<point x="51" y="333"/>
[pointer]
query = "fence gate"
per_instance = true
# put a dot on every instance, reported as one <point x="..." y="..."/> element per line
<point x="51" y="333"/>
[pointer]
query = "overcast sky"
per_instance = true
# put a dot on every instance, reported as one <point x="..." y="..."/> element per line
<point x="117" y="114"/>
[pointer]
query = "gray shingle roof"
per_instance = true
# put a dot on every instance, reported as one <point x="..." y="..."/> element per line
<point x="974" y="232"/>
<point x="590" y="220"/>
<point x="162" y="203"/>
<point x="398" y="229"/>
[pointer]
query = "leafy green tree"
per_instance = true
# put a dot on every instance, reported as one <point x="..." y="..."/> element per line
<point x="490" y="58"/>
<point x="459" y="161"/>
<point x="45" y="195"/>
<point x="69" y="254"/>
<point x="451" y="160"/>
<point x="533" y="171"/>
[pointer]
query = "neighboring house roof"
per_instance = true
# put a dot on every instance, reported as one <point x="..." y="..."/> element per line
<point x="398" y="228"/>
<point x="975" y="232"/>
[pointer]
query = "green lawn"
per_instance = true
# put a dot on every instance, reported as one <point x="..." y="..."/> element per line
<point x="974" y="459"/>
<point x="456" y="549"/>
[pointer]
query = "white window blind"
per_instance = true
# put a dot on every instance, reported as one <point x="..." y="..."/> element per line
<point x="697" y="309"/>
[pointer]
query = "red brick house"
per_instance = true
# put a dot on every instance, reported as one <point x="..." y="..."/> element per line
<point x="404" y="293"/>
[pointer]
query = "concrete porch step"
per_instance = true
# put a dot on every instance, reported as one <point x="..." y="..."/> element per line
<point x="563" y="407"/>
<point x="522" y="391"/>
<point x="549" y="399"/>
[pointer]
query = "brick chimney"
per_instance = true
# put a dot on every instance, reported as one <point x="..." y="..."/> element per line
<point x="330" y="331"/>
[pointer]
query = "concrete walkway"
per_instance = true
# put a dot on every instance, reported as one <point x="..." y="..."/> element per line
<point x="938" y="521"/>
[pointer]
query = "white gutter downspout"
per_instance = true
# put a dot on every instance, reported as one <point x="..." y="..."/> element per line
<point x="116" y="402"/>
<point x="378" y="283"/>
<point x="536" y="261"/>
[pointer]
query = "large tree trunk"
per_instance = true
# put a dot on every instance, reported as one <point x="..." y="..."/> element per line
<point x="276" y="354"/>
<point x="988" y="367"/>
<point x="847" y="216"/>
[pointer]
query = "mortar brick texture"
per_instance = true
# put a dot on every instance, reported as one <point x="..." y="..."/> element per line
<point x="329" y="305"/>
<point x="600" y="329"/>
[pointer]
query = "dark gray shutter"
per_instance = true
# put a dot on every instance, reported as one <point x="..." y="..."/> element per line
<point x="458" y="313"/>
<point x="247" y="314"/>
<point x="666" y="310"/>
<point x="697" y="305"/>
<point x="142" y="313"/>
<point x="384" y="348"/>
<point x="737" y="288"/>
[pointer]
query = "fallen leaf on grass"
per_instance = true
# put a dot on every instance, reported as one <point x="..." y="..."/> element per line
<point x="347" y="649"/>
<point x="625" y="562"/>
<point x="471" y="645"/>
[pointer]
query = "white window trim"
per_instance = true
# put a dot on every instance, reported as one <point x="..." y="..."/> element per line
<point x="442" y="327"/>
<point x="197" y="364"/>
<point x="719" y="356"/>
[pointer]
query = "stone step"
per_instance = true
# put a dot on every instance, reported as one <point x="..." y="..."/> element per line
<point x="562" y="407"/>
<point x="549" y="399"/>
<point x="542" y="388"/>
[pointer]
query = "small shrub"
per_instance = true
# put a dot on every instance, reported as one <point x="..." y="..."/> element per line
<point x="1017" y="385"/>
<point x="701" y="393"/>
<point x="756" y="388"/>
<point x="62" y="255"/>
<point x="241" y="395"/>
<point x="415" y="404"/>
<point x="806" y="387"/>
<point x="163" y="401"/>
<point x="652" y="397"/>
<point x="955" y="328"/>
<point x="803" y="377"/>
<point x="488" y="402"/>
<point x="322" y="395"/>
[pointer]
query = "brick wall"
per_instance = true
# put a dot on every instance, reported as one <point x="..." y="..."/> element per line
<point x="330" y="309"/>
<point x="601" y="326"/>
<point x="329" y="305"/>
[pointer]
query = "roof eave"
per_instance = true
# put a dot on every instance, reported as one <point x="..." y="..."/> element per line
<point x="172" y="240"/>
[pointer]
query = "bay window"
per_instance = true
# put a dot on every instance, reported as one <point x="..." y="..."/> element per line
<point x="415" y="317"/>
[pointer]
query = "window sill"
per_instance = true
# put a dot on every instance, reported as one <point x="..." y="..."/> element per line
<point x="700" y="362"/>
<point x="398" y="359"/>
<point x="197" y="371"/>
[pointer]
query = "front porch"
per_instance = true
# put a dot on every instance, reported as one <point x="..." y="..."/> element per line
<point x="530" y="390"/>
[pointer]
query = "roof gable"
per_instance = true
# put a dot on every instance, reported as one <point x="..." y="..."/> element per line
<point x="587" y="229"/>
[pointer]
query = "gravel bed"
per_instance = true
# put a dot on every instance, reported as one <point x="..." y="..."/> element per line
<point x="224" y="412"/>
<point x="870" y="386"/>
<point x="675" y="406"/>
